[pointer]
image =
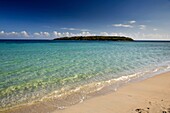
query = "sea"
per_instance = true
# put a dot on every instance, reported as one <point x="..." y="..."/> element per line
<point x="56" y="74"/>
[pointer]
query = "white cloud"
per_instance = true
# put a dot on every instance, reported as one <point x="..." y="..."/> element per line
<point x="123" y="25"/>
<point x="51" y="35"/>
<point x="142" y="27"/>
<point x="41" y="35"/>
<point x="139" y="35"/>
<point x="86" y="33"/>
<point x="104" y="34"/>
<point x="132" y="21"/>
<point x="67" y="34"/>
<point x="46" y="34"/>
<point x="56" y="34"/>
<point x="146" y="36"/>
<point x="155" y="29"/>
<point x="114" y="34"/>
<point x="2" y="32"/>
<point x="36" y="34"/>
<point x="25" y="34"/>
<point x="75" y="29"/>
<point x="84" y="30"/>
<point x="154" y="36"/>
<point x="71" y="29"/>
<point x="13" y="34"/>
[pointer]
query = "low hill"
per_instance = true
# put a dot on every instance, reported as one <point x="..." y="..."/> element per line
<point x="102" y="38"/>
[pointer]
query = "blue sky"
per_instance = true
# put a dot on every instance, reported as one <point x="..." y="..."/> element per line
<point x="47" y="19"/>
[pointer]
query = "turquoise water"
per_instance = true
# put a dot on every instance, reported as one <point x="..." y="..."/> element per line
<point x="32" y="70"/>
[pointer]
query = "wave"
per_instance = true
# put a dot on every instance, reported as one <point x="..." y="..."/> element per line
<point x="69" y="95"/>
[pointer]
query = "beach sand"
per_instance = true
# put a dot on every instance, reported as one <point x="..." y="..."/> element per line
<point x="149" y="96"/>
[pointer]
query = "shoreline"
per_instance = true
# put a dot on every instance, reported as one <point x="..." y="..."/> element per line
<point x="151" y="95"/>
<point x="52" y="105"/>
<point x="117" y="93"/>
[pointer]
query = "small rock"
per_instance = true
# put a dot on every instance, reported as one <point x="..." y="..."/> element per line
<point x="137" y="110"/>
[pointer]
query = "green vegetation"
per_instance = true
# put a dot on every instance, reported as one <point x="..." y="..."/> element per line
<point x="102" y="38"/>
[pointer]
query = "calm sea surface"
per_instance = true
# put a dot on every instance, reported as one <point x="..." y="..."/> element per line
<point x="35" y="70"/>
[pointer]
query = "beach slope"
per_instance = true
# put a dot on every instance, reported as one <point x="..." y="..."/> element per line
<point x="148" y="96"/>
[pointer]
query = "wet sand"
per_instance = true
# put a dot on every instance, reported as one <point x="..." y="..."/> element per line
<point x="149" y="96"/>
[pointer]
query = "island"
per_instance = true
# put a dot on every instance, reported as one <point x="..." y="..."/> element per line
<point x="98" y="38"/>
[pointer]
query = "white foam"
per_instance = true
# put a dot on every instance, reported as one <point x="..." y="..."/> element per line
<point x="109" y="81"/>
<point x="115" y="89"/>
<point x="81" y="100"/>
<point x="77" y="89"/>
<point x="98" y="89"/>
<point x="122" y="78"/>
<point x="62" y="107"/>
<point x="60" y="95"/>
<point x="155" y="70"/>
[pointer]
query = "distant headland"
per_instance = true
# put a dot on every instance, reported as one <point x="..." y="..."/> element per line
<point x="99" y="38"/>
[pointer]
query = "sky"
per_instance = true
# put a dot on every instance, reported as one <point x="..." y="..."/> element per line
<point x="48" y="19"/>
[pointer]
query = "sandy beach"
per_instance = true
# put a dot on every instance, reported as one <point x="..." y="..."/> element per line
<point x="84" y="56"/>
<point x="149" y="96"/>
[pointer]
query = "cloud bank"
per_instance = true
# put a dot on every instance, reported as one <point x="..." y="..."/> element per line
<point x="56" y="34"/>
<point x="47" y="35"/>
<point x="14" y="34"/>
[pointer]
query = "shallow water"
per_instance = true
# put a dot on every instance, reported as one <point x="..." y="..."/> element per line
<point x="34" y="70"/>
